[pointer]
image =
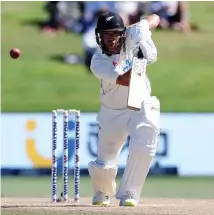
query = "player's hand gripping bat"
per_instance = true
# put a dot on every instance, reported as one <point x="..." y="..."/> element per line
<point x="136" y="86"/>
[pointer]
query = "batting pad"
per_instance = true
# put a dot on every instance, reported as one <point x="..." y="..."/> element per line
<point x="103" y="177"/>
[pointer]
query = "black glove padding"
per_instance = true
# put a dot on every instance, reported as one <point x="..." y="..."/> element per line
<point x="140" y="54"/>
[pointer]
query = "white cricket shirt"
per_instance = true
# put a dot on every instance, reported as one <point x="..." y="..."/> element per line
<point x="108" y="68"/>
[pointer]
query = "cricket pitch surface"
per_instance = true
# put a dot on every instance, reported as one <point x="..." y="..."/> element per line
<point x="147" y="206"/>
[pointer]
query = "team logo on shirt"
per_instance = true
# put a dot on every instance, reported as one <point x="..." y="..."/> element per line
<point x="127" y="66"/>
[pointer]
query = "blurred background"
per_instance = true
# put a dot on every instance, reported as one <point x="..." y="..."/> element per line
<point x="56" y="40"/>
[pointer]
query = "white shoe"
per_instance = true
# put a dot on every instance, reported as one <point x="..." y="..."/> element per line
<point x="128" y="200"/>
<point x="101" y="199"/>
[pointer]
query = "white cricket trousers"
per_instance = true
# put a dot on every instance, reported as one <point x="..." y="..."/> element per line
<point x="143" y="128"/>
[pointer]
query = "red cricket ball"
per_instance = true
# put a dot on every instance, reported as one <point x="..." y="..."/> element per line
<point x="15" y="53"/>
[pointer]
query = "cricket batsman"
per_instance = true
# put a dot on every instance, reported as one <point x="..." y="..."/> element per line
<point x="111" y="64"/>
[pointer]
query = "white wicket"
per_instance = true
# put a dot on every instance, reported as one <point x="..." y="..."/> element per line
<point x="77" y="158"/>
<point x="65" y="166"/>
<point x="54" y="156"/>
<point x="65" y="156"/>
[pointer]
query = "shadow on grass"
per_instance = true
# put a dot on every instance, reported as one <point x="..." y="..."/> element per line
<point x="58" y="58"/>
<point x="68" y="59"/>
<point x="34" y="22"/>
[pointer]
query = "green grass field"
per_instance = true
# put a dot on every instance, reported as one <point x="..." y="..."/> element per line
<point x="168" y="187"/>
<point x="182" y="77"/>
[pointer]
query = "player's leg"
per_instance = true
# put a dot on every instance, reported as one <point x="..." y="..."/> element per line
<point x="104" y="170"/>
<point x="112" y="135"/>
<point x="144" y="131"/>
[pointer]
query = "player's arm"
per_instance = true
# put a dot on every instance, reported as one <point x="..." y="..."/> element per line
<point x="153" y="21"/>
<point x="103" y="69"/>
<point x="149" y="52"/>
<point x="124" y="79"/>
<point x="142" y="30"/>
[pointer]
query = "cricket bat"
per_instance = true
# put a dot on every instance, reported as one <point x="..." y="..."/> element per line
<point x="137" y="77"/>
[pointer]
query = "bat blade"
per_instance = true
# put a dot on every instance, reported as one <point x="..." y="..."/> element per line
<point x="136" y="86"/>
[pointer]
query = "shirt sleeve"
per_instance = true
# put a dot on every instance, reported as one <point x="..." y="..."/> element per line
<point x="104" y="69"/>
<point x="140" y="31"/>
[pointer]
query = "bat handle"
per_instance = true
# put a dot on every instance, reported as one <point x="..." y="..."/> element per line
<point x="140" y="54"/>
